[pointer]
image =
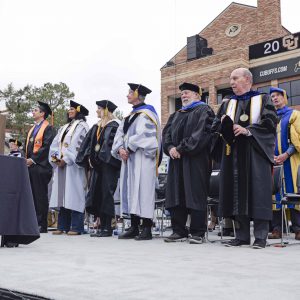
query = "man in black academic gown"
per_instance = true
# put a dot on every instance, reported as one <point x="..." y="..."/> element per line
<point x="187" y="140"/>
<point x="37" y="147"/>
<point x="245" y="130"/>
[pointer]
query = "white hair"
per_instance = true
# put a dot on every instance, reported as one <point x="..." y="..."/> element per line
<point x="247" y="73"/>
<point x="142" y="98"/>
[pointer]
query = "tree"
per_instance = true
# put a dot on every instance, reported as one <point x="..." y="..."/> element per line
<point x="57" y="96"/>
<point x="20" y="103"/>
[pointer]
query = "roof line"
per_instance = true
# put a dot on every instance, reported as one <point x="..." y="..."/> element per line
<point x="252" y="6"/>
<point x="232" y="3"/>
<point x="286" y="29"/>
<point x="173" y="57"/>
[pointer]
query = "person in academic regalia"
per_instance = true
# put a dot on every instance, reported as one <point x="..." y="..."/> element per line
<point x="287" y="153"/>
<point x="187" y="141"/>
<point x="228" y="222"/>
<point x="38" y="142"/>
<point x="244" y="142"/>
<point x="95" y="151"/>
<point x="138" y="144"/>
<point x="14" y="146"/>
<point x="69" y="179"/>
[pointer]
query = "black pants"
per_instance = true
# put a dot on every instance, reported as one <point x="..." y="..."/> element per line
<point x="261" y="228"/>
<point x="295" y="218"/>
<point x="39" y="179"/>
<point x="179" y="217"/>
<point x="105" y="221"/>
<point x="136" y="221"/>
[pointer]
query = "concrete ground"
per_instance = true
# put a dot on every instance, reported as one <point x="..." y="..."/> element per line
<point x="81" y="267"/>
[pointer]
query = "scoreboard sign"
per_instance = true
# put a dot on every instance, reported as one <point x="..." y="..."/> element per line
<point x="283" y="44"/>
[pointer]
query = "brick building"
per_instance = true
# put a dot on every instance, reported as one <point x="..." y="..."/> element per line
<point x="240" y="36"/>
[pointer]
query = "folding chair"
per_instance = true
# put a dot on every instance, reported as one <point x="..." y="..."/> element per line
<point x="277" y="188"/>
<point x="286" y="200"/>
<point x="213" y="200"/>
<point x="160" y="202"/>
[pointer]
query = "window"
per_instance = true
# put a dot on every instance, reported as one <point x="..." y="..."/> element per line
<point x="295" y="87"/>
<point x="178" y="104"/>
<point x="293" y="91"/>
<point x="286" y="86"/>
<point x="204" y="97"/>
<point x="219" y="101"/>
<point x="221" y="94"/>
<point x="264" y="89"/>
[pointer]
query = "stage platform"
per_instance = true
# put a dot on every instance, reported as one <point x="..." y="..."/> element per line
<point x="84" y="268"/>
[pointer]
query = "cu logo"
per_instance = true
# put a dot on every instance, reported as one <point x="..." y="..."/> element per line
<point x="297" y="66"/>
<point x="290" y="42"/>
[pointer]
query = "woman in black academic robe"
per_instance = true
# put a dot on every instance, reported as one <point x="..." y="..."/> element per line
<point x="95" y="153"/>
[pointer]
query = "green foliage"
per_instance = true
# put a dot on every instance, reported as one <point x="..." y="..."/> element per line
<point x="20" y="102"/>
<point x="57" y="96"/>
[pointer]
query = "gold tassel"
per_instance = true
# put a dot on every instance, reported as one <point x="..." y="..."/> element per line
<point x="200" y="91"/>
<point x="78" y="108"/>
<point x="285" y="97"/>
<point x="136" y="93"/>
<point x="106" y="112"/>
<point x="228" y="149"/>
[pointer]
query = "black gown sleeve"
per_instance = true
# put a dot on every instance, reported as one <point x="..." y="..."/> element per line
<point x="104" y="155"/>
<point x="84" y="152"/>
<point x="112" y="134"/>
<point x="217" y="140"/>
<point x="201" y="135"/>
<point x="216" y="126"/>
<point x="166" y="136"/>
<point x="263" y="133"/>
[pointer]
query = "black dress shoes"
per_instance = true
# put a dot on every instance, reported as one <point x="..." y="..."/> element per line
<point x="196" y="239"/>
<point x="145" y="235"/>
<point x="43" y="230"/>
<point x="106" y="233"/>
<point x="131" y="233"/>
<point x="259" y="244"/>
<point x="175" y="237"/>
<point x="102" y="233"/>
<point x="237" y="243"/>
<point x="96" y="234"/>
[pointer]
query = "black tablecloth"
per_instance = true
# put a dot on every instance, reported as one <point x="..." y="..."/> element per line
<point x="18" y="223"/>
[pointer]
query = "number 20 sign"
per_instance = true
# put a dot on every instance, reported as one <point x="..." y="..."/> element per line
<point x="283" y="44"/>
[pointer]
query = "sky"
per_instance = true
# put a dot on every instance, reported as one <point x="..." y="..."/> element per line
<point x="97" y="46"/>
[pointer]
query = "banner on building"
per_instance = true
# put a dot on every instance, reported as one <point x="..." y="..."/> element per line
<point x="276" y="70"/>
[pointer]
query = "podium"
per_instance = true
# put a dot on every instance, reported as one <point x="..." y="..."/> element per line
<point x="18" y="223"/>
